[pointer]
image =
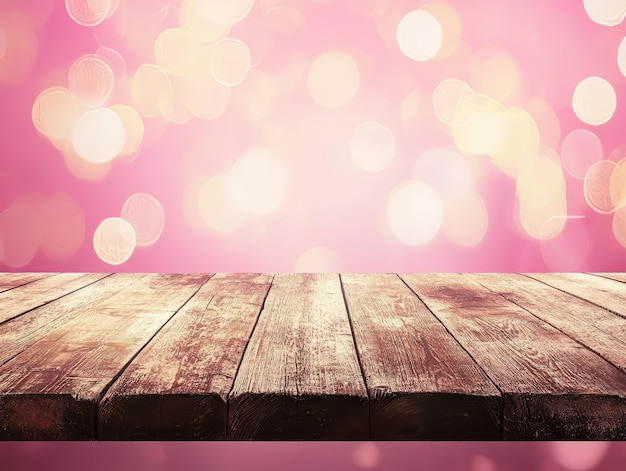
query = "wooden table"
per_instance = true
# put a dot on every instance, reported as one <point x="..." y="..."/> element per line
<point x="312" y="356"/>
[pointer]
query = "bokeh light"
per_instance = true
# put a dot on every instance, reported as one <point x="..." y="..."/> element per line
<point x="257" y="182"/>
<point x="333" y="79"/>
<point x="579" y="456"/>
<point x="619" y="225"/>
<point x="415" y="213"/>
<point x="224" y="13"/>
<point x="594" y="101"/>
<point x="454" y="102"/>
<point x="581" y="149"/>
<point x="217" y="209"/>
<point x="518" y="142"/>
<point x="446" y="170"/>
<point x="175" y="51"/>
<point x="466" y="220"/>
<point x="88" y="12"/>
<point x="496" y="73"/>
<point x="133" y="128"/>
<point x="597" y="187"/>
<point x="606" y="12"/>
<point x="419" y="35"/>
<point x="199" y="25"/>
<point x="20" y="233"/>
<point x="366" y="455"/>
<point x="151" y="88"/>
<point x="99" y="135"/>
<point x="372" y="146"/>
<point x="621" y="56"/>
<point x="114" y="240"/>
<point x="146" y="215"/>
<point x="91" y="80"/>
<point x="3" y="42"/>
<point x="318" y="260"/>
<point x="451" y="25"/>
<point x="617" y="184"/>
<point x="230" y="61"/>
<point x="484" y="132"/>
<point x="55" y="113"/>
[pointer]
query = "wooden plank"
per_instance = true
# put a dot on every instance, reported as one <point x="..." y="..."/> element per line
<point x="553" y="388"/>
<point x="13" y="280"/>
<point x="610" y="294"/>
<point x="613" y="276"/>
<point x="177" y="387"/>
<point x="422" y="384"/>
<point x="300" y="376"/>
<point x="598" y="329"/>
<point x="51" y="390"/>
<point x="21" y="332"/>
<point x="21" y="299"/>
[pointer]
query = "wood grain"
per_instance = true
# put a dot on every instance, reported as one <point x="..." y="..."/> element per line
<point x="421" y="383"/>
<point x="613" y="276"/>
<point x="13" y="280"/>
<point x="52" y="389"/>
<point x="300" y="376"/>
<point x="598" y="329"/>
<point x="177" y="387"/>
<point x="610" y="294"/>
<point x="552" y="386"/>
<point x="21" y="299"/>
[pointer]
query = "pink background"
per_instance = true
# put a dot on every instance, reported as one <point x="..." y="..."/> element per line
<point x="329" y="201"/>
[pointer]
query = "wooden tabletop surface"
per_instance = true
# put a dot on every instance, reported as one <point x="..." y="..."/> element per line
<point x="446" y="356"/>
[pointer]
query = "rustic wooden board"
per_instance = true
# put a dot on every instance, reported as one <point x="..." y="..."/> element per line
<point x="598" y="329"/>
<point x="177" y="387"/>
<point x="610" y="294"/>
<point x="19" y="300"/>
<point x="13" y="280"/>
<point x="613" y="276"/>
<point x="552" y="386"/>
<point x="52" y="389"/>
<point x="422" y="384"/>
<point x="300" y="375"/>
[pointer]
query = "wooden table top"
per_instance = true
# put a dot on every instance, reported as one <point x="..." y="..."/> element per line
<point x="446" y="356"/>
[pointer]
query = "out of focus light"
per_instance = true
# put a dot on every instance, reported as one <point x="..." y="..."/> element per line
<point x="482" y="463"/>
<point x="543" y="221"/>
<point x="519" y="140"/>
<point x="594" y="101"/>
<point x="133" y="126"/>
<point x="579" y="456"/>
<point x="206" y="98"/>
<point x="145" y="214"/>
<point x="597" y="187"/>
<point x="466" y="220"/>
<point x="451" y="26"/>
<point x="99" y="135"/>
<point x="419" y="35"/>
<point x="484" y="132"/>
<point x="91" y="80"/>
<point x="200" y="27"/>
<point x="55" y="113"/>
<point x="230" y="61"/>
<point x="580" y="150"/>
<point x="115" y="61"/>
<point x="568" y="251"/>
<point x="495" y="73"/>
<point x="415" y="213"/>
<point x="366" y="455"/>
<point x="540" y="180"/>
<point x="454" y="102"/>
<point x="447" y="171"/>
<point x="217" y="209"/>
<point x="318" y="260"/>
<point x="88" y="12"/>
<point x="62" y="227"/>
<point x="410" y="107"/>
<point x="621" y="56"/>
<point x="257" y="181"/>
<point x="257" y="95"/>
<point x="619" y="225"/>
<point x="606" y="12"/>
<point x="547" y="121"/>
<point x="20" y="231"/>
<point x="175" y="51"/>
<point x="372" y="146"/>
<point x="224" y="13"/>
<point x="83" y="169"/>
<point x="333" y="79"/>
<point x="150" y="88"/>
<point x="617" y="184"/>
<point x="114" y="241"/>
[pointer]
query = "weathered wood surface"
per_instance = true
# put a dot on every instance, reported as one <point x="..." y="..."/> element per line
<point x="52" y="389"/>
<point x="177" y="387"/>
<point x="300" y="375"/>
<point x="551" y="385"/>
<point x="312" y="356"/>
<point x="421" y="382"/>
